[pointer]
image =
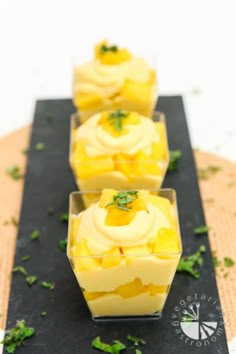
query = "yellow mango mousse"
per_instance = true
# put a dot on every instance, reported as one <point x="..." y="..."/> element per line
<point x="114" y="79"/>
<point x="120" y="150"/>
<point x="124" y="251"/>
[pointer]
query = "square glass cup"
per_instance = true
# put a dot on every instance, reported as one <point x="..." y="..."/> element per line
<point x="121" y="171"/>
<point x="129" y="285"/>
<point x="124" y="93"/>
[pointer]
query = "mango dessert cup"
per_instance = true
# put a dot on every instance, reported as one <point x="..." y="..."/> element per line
<point x="124" y="251"/>
<point x="120" y="150"/>
<point x="114" y="79"/>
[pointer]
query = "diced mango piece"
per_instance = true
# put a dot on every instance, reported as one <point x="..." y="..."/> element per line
<point x="89" y="296"/>
<point x="167" y="241"/>
<point x="111" y="258"/>
<point x="157" y="289"/>
<point x="139" y="204"/>
<point x="131" y="289"/>
<point x="123" y="164"/>
<point x="132" y="118"/>
<point x="88" y="101"/>
<point x="131" y="253"/>
<point x="118" y="217"/>
<point x="111" y="57"/>
<point x="74" y="228"/>
<point x="134" y="90"/>
<point x="161" y="203"/>
<point x="159" y="151"/>
<point x="85" y="260"/>
<point x="145" y="165"/>
<point x="107" y="197"/>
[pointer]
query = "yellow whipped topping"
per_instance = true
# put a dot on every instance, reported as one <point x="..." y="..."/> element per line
<point x="137" y="134"/>
<point x="141" y="230"/>
<point x="106" y="74"/>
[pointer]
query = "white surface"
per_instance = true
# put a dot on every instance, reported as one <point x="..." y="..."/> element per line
<point x="193" y="41"/>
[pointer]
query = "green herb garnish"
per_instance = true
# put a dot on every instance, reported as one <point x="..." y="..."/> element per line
<point x="135" y="340"/>
<point x="104" y="49"/>
<point x="47" y="285"/>
<point x="216" y="262"/>
<point x="122" y="199"/>
<point x="25" y="258"/>
<point x="43" y="314"/>
<point x="50" y="211"/>
<point x="31" y="280"/>
<point x="116" y="119"/>
<point x="205" y="173"/>
<point x="187" y="264"/>
<point x="16" y="336"/>
<point x="25" y="151"/>
<point x="12" y="221"/>
<point x="201" y="230"/>
<point x="229" y="262"/>
<point x="175" y="156"/>
<point x="14" y="172"/>
<point x="64" y="217"/>
<point x="63" y="244"/>
<point x="114" y="348"/>
<point x="20" y="269"/>
<point x="35" y="235"/>
<point x="39" y="146"/>
<point x="138" y="351"/>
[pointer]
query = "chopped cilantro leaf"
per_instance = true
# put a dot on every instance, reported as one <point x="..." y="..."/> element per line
<point x="39" y="146"/>
<point x="64" y="217"/>
<point x="229" y="262"/>
<point x="35" y="235"/>
<point x="136" y="340"/>
<point x="206" y="173"/>
<point x="20" y="269"/>
<point x="175" y="156"/>
<point x="47" y="285"/>
<point x="201" y="230"/>
<point x="104" y="49"/>
<point x="114" y="348"/>
<point x="14" y="172"/>
<point x="188" y="264"/>
<point x="25" y="258"/>
<point x="43" y="314"/>
<point x="216" y="261"/>
<point x="63" y="244"/>
<point x="31" y="280"/>
<point x="122" y="199"/>
<point x="25" y="151"/>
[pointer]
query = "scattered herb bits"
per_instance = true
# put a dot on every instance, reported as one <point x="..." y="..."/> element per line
<point x="104" y="49"/>
<point x="216" y="261"/>
<point x="43" y="314"/>
<point x="200" y="230"/>
<point x="31" y="280"/>
<point x="64" y="217"/>
<point x="14" y="172"/>
<point x="63" y="244"/>
<point x="135" y="340"/>
<point x="12" y="221"/>
<point x="25" y="258"/>
<point x="47" y="285"/>
<point x="25" y="151"/>
<point x="175" y="156"/>
<point x="122" y="199"/>
<point x="35" y="235"/>
<point x="206" y="173"/>
<point x="39" y="146"/>
<point x="115" y="348"/>
<point x="16" y="336"/>
<point x="228" y="262"/>
<point x="188" y="264"/>
<point x="20" y="269"/>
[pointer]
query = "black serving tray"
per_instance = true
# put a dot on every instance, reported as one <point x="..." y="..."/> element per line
<point x="68" y="327"/>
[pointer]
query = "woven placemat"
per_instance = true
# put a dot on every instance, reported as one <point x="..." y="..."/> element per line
<point x="218" y="191"/>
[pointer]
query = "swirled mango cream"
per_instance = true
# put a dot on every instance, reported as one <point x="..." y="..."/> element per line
<point x="119" y="149"/>
<point x="114" y="79"/>
<point x="124" y="251"/>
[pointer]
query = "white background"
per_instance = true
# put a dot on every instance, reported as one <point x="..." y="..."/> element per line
<point x="194" y="43"/>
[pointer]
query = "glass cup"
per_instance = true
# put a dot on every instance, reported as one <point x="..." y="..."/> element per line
<point x="132" y="282"/>
<point x="120" y="171"/>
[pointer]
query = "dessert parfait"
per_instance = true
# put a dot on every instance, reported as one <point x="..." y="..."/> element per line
<point x="124" y="250"/>
<point x="114" y="79"/>
<point x="119" y="149"/>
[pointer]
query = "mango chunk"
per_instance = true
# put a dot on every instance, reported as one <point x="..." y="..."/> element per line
<point x="159" y="151"/>
<point x="131" y="253"/>
<point x="107" y="197"/>
<point x="111" y="258"/>
<point x="74" y="228"/>
<point x="134" y="90"/>
<point x="157" y="289"/>
<point x="131" y="289"/>
<point x="88" y="101"/>
<point x="123" y="164"/>
<point x="111" y="55"/>
<point x="146" y="165"/>
<point x="118" y="217"/>
<point x="85" y="260"/>
<point x="167" y="241"/>
<point x="89" y="296"/>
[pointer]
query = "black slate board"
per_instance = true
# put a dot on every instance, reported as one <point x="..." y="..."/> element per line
<point x="68" y="327"/>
